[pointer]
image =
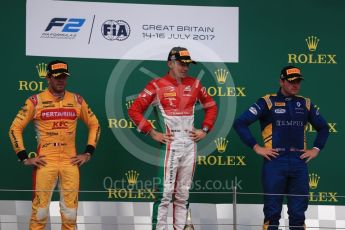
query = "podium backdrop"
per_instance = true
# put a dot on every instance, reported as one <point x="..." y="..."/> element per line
<point x="271" y="34"/>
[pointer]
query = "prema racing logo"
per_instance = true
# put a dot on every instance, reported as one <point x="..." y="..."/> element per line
<point x="63" y="28"/>
<point x="115" y="30"/>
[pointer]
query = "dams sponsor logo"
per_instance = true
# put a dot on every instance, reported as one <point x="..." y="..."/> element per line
<point x="59" y="114"/>
<point x="317" y="196"/>
<point x="312" y="57"/>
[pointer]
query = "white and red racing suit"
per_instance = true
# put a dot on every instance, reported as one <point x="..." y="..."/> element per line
<point x="176" y="103"/>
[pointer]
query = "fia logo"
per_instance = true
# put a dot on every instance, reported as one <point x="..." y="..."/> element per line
<point x="115" y="30"/>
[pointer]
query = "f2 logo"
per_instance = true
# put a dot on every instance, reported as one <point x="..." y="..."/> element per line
<point x="71" y="25"/>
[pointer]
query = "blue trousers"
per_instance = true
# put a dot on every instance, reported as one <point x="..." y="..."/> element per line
<point x="286" y="174"/>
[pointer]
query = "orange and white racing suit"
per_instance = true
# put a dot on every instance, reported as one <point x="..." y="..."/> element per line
<point x="55" y="122"/>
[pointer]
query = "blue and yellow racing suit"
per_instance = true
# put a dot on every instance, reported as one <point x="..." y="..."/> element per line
<point x="283" y="123"/>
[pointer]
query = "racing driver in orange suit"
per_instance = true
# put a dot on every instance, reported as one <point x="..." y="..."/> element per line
<point x="55" y="112"/>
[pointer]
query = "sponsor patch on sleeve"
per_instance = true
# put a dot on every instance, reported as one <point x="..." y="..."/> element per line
<point x="147" y="92"/>
<point x="253" y="110"/>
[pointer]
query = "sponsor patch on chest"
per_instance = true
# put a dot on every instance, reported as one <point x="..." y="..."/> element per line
<point x="57" y="114"/>
<point x="279" y="103"/>
<point x="280" y="111"/>
<point x="169" y="94"/>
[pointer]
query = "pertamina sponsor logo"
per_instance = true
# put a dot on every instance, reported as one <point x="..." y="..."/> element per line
<point x="124" y="123"/>
<point x="59" y="114"/>
<point x="225" y="91"/>
<point x="35" y="85"/>
<point x="319" y="196"/>
<point x="312" y="57"/>
<point x="129" y="187"/>
<point x="222" y="160"/>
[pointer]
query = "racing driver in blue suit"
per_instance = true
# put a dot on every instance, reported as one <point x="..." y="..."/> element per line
<point x="283" y="117"/>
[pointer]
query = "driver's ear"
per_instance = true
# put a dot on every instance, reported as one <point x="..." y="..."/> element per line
<point x="170" y="64"/>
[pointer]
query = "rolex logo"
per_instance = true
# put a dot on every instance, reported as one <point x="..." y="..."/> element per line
<point x="132" y="177"/>
<point x="221" y="75"/>
<point x="313" y="180"/>
<point x="312" y="57"/>
<point x="42" y="70"/>
<point x="129" y="103"/>
<point x="221" y="144"/>
<point x="312" y="42"/>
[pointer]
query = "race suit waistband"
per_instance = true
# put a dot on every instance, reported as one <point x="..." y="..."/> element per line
<point x="292" y="149"/>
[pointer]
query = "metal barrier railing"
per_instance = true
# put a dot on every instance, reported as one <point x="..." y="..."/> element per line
<point x="234" y="193"/>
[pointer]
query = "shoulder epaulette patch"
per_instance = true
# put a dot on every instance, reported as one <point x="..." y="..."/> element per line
<point x="34" y="100"/>
<point x="307" y="103"/>
<point x="268" y="100"/>
<point x="79" y="98"/>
